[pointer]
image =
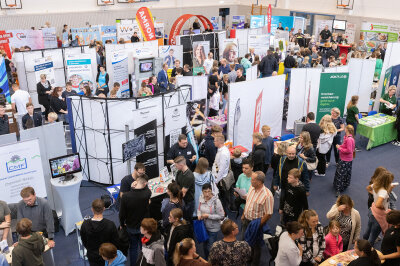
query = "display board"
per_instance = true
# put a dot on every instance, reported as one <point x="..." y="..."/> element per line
<point x="170" y="53"/>
<point x="229" y="49"/>
<point x="126" y="28"/>
<point x="120" y="70"/>
<point x="108" y="33"/>
<point x="260" y="43"/>
<point x="244" y="104"/>
<point x="84" y="36"/>
<point x="79" y="71"/>
<point x="238" y="22"/>
<point x="200" y="52"/>
<point x="49" y="38"/>
<point x="45" y="66"/>
<point x="350" y="32"/>
<point x="257" y="21"/>
<point x="22" y="167"/>
<point x="373" y="34"/>
<point x="199" y="85"/>
<point x="22" y="38"/>
<point x="287" y="22"/>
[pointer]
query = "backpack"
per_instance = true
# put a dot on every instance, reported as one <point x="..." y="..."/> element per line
<point x="273" y="243"/>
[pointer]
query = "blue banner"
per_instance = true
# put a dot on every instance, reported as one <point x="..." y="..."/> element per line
<point x="109" y="33"/>
<point x="4" y="81"/>
<point x="287" y="22"/>
<point x="257" y="21"/>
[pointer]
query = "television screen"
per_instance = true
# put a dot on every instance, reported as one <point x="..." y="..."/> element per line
<point x="339" y="24"/>
<point x="64" y="165"/>
<point x="133" y="148"/>
<point x="146" y="67"/>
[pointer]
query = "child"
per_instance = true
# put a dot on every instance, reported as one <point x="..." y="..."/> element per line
<point x="268" y="143"/>
<point x="276" y="158"/>
<point x="333" y="240"/>
<point x="236" y="163"/>
<point x="392" y="196"/>
<point x="294" y="201"/>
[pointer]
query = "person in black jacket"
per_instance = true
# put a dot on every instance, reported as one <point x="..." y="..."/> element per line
<point x="177" y="66"/>
<point x="4" y="126"/>
<point x="289" y="63"/>
<point x="34" y="117"/>
<point x="134" y="207"/>
<point x="96" y="231"/>
<point x="208" y="149"/>
<point x="58" y="105"/>
<point x="135" y="37"/>
<point x="44" y="91"/>
<point x="334" y="51"/>
<point x="313" y="128"/>
<point x="177" y="231"/>
<point x="258" y="153"/>
<point x="268" y="64"/>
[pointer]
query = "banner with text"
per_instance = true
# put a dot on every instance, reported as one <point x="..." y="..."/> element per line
<point x="22" y="38"/>
<point x="332" y="93"/>
<point x="108" y="33"/>
<point x="49" y="38"/>
<point x="200" y="52"/>
<point x="373" y="34"/>
<point x="238" y="22"/>
<point x="21" y="167"/>
<point x="120" y="69"/>
<point x="79" y="71"/>
<point x="86" y="35"/>
<point x="260" y="43"/>
<point x="45" y="66"/>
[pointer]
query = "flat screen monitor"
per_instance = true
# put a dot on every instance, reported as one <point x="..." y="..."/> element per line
<point x="339" y="24"/>
<point x="65" y="165"/>
<point x="133" y="148"/>
<point x="146" y="67"/>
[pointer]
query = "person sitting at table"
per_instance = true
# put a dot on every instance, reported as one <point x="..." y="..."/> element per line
<point x="30" y="245"/>
<point x="367" y="255"/>
<point x="39" y="212"/>
<point x="391" y="241"/>
<point x="388" y="101"/>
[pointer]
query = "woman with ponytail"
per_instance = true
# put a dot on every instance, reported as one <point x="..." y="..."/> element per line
<point x="185" y="254"/>
<point x="367" y="255"/>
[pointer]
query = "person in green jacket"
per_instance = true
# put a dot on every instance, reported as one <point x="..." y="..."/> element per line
<point x="378" y="64"/>
<point x="246" y="62"/>
<point x="352" y="115"/>
<point x="30" y="246"/>
<point x="388" y="101"/>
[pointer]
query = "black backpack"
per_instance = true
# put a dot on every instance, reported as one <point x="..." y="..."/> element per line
<point x="273" y="246"/>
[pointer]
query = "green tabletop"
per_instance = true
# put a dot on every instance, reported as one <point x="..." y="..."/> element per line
<point x="378" y="129"/>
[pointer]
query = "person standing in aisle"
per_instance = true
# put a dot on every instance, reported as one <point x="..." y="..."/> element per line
<point x="185" y="179"/>
<point x="325" y="141"/>
<point x="338" y="122"/>
<point x="352" y="116"/>
<point x="44" y="91"/>
<point x="19" y="100"/>
<point x="268" y="143"/>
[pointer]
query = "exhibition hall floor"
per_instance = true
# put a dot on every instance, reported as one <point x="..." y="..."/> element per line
<point x="321" y="199"/>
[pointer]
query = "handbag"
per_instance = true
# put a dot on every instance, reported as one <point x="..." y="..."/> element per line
<point x="200" y="231"/>
<point x="312" y="166"/>
<point x="123" y="240"/>
<point x="228" y="180"/>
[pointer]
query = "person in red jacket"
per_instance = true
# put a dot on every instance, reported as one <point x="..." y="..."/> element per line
<point x="333" y="240"/>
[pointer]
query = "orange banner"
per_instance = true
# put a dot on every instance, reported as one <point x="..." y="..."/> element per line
<point x="146" y="24"/>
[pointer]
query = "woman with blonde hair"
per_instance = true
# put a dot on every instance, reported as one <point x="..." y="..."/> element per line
<point x="276" y="157"/>
<point x="352" y="114"/>
<point x="325" y="141"/>
<point x="305" y="150"/>
<point x="338" y="122"/>
<point x="313" y="240"/>
<point x="185" y="254"/>
<point x="343" y="167"/>
<point x="388" y="101"/>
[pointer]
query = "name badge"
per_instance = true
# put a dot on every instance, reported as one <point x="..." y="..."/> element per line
<point x="189" y="152"/>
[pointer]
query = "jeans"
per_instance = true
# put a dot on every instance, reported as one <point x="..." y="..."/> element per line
<point x="134" y="244"/>
<point x="212" y="237"/>
<point x="336" y="140"/>
<point x="373" y="229"/>
<point x="287" y="71"/>
<point x="188" y="210"/>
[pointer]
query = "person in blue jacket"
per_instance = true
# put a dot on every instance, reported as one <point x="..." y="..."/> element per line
<point x="163" y="78"/>
<point x="268" y="143"/>
<point x="111" y="255"/>
<point x="286" y="163"/>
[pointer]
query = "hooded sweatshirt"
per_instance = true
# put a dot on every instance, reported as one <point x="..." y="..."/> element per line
<point x="258" y="156"/>
<point x="199" y="181"/>
<point x="29" y="251"/>
<point x="152" y="252"/>
<point x="118" y="261"/>
<point x="94" y="233"/>
<point x="214" y="209"/>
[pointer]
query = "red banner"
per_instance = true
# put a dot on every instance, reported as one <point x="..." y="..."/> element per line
<point x="269" y="18"/>
<point x="178" y="24"/>
<point x="4" y="42"/>
<point x="257" y="114"/>
<point x="146" y="24"/>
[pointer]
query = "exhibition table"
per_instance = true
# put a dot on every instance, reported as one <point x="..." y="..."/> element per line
<point x="48" y="258"/>
<point x="157" y="187"/>
<point x="344" y="258"/>
<point x="68" y="193"/>
<point x="293" y="141"/>
<point x="378" y="128"/>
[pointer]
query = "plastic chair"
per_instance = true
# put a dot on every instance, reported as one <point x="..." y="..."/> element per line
<point x="287" y="136"/>
<point x="372" y="113"/>
<point x="359" y="115"/>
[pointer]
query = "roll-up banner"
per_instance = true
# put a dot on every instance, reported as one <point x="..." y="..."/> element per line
<point x="4" y="42"/>
<point x="4" y="80"/>
<point x="260" y="43"/>
<point x="146" y="24"/>
<point x="200" y="52"/>
<point x="170" y="53"/>
<point x="175" y="124"/>
<point x="79" y="71"/>
<point x="21" y="166"/>
<point x="229" y="50"/>
<point x="49" y="38"/>
<point x="332" y="93"/>
<point x="45" y="66"/>
<point x="22" y="38"/>
<point x="120" y="69"/>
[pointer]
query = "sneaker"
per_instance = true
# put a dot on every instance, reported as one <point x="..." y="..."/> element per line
<point x="318" y="174"/>
<point x="394" y="142"/>
<point x="327" y="165"/>
<point x="397" y="143"/>
<point x="357" y="149"/>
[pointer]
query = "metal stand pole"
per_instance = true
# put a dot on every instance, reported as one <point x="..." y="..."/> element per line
<point x="128" y="163"/>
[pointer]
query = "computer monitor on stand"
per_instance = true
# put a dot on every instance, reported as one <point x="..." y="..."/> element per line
<point x="64" y="167"/>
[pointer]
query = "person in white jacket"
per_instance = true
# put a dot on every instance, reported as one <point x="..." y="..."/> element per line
<point x="290" y="253"/>
<point x="325" y="140"/>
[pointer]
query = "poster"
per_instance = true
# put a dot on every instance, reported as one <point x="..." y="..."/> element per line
<point x="260" y="43"/>
<point x="392" y="75"/>
<point x="108" y="33"/>
<point x="86" y="35"/>
<point x="229" y="50"/>
<point x="299" y="24"/>
<point x="159" y="30"/>
<point x="126" y="28"/>
<point x="386" y="81"/>
<point x="373" y="34"/>
<point x="4" y="80"/>
<point x="31" y="38"/>
<point x="200" y="52"/>
<point x="65" y="40"/>
<point x="79" y="71"/>
<point x="175" y="124"/>
<point x="195" y="116"/>
<point x="215" y="22"/>
<point x="287" y="22"/>
<point x="350" y="32"/>
<point x="21" y="166"/>
<point x="257" y="21"/>
<point x="281" y="44"/>
<point x="238" y="22"/>
<point x="145" y="49"/>
<point x="170" y="53"/>
<point x="49" y="38"/>
<point x="120" y="70"/>
<point x="332" y="93"/>
<point x="150" y="155"/>
<point x="4" y="42"/>
<point x="45" y="65"/>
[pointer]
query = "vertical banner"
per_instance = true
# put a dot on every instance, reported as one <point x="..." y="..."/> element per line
<point x="4" y="42"/>
<point x="22" y="38"/>
<point x="200" y="52"/>
<point x="269" y="18"/>
<point x="332" y="93"/>
<point x="150" y="155"/>
<point x="170" y="53"/>
<point x="175" y="124"/>
<point x="21" y="166"/>
<point x="108" y="33"/>
<point x="238" y="22"/>
<point x="146" y="24"/>
<point x="197" y="120"/>
<point x="49" y="38"/>
<point x="260" y="43"/>
<point x="79" y="71"/>
<point x="257" y="113"/>
<point x="4" y="80"/>
<point x="120" y="70"/>
<point x="45" y="65"/>
<point x="229" y="50"/>
<point x="215" y="22"/>
<point x="386" y="81"/>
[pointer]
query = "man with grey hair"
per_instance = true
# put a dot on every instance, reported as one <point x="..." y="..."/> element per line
<point x="259" y="205"/>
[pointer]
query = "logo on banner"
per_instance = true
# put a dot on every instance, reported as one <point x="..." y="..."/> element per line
<point x="176" y="114"/>
<point x="257" y="115"/>
<point x="146" y="24"/>
<point x="16" y="163"/>
<point x="20" y="36"/>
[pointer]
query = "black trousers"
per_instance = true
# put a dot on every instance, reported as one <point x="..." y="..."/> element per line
<point x="212" y="112"/>
<point x="336" y="140"/>
<point x="321" y="166"/>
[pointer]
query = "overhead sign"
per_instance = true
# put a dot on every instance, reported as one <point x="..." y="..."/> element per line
<point x="146" y="24"/>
